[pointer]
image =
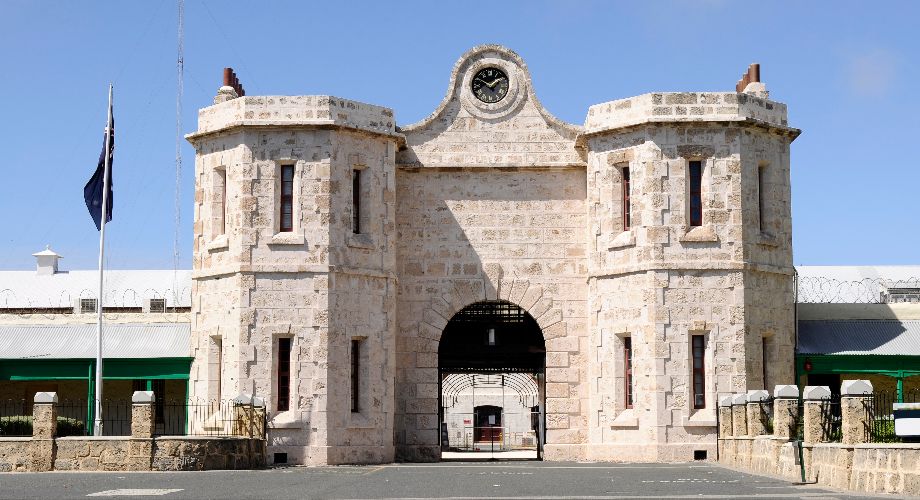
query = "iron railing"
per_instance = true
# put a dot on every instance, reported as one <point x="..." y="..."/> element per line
<point x="197" y="417"/>
<point x="832" y="419"/>
<point x="15" y="417"/>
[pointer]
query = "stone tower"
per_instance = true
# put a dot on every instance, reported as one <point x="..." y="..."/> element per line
<point x="651" y="247"/>
<point x="285" y="280"/>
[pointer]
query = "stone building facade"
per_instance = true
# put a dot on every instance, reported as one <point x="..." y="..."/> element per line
<point x="491" y="198"/>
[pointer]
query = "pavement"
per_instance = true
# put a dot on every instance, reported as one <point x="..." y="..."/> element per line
<point x="444" y="480"/>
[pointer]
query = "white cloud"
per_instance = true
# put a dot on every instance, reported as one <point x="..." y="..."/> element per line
<point x="872" y="73"/>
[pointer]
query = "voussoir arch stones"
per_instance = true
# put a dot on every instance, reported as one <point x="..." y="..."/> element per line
<point x="528" y="296"/>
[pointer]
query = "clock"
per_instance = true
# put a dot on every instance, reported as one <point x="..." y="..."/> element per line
<point x="490" y="85"/>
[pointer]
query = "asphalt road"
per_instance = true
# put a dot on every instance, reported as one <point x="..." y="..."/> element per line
<point x="517" y="480"/>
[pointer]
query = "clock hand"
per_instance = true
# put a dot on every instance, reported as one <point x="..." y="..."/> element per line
<point x="495" y="81"/>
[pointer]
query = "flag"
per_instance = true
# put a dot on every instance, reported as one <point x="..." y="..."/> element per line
<point x="92" y="192"/>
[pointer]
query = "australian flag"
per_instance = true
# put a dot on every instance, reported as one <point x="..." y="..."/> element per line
<point x="93" y="190"/>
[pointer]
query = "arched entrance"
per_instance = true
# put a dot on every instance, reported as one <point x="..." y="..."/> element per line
<point x="491" y="363"/>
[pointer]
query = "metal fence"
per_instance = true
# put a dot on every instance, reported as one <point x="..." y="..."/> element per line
<point x="832" y="419"/>
<point x="209" y="418"/>
<point x="881" y="415"/>
<point x="15" y="417"/>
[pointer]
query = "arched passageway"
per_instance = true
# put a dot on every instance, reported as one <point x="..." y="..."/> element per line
<point x="491" y="362"/>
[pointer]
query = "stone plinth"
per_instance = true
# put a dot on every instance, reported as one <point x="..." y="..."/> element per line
<point x="755" y="414"/>
<point x="725" y="416"/>
<point x="816" y="397"/>
<point x="739" y="415"/>
<point x="142" y="414"/>
<point x="44" y="427"/>
<point x="785" y="411"/>
<point x="856" y="406"/>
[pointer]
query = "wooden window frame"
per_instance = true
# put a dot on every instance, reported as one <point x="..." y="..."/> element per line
<point x="356" y="201"/>
<point x="355" y="375"/>
<point x="284" y="373"/>
<point x="626" y="185"/>
<point x="286" y="200"/>
<point x="695" y="172"/>
<point x="628" y="372"/>
<point x="698" y="373"/>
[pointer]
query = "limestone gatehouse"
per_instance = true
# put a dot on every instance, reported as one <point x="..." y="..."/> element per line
<point x="364" y="277"/>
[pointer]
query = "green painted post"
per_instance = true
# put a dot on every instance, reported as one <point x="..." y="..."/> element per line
<point x="900" y="387"/>
<point x="149" y="384"/>
<point x="186" y="407"/>
<point x="90" y="398"/>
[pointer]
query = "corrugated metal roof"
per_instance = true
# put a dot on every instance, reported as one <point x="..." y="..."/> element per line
<point x="151" y="340"/>
<point x="28" y="289"/>
<point x="879" y="337"/>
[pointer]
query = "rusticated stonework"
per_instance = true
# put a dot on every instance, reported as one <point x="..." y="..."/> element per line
<point x="497" y="201"/>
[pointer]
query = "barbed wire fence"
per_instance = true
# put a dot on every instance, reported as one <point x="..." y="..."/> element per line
<point x="823" y="290"/>
<point x="127" y="298"/>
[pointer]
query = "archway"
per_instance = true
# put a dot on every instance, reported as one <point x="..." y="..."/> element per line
<point x="491" y="364"/>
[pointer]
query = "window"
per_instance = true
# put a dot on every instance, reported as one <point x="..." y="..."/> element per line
<point x="220" y="179"/>
<point x="696" y="193"/>
<point x="158" y="305"/>
<point x="627" y="213"/>
<point x="284" y="374"/>
<point x="627" y="371"/>
<point x="698" y="346"/>
<point x="355" y="370"/>
<point x="287" y="199"/>
<point x="87" y="306"/>
<point x="356" y="201"/>
<point x="760" y="197"/>
<point x="763" y="354"/>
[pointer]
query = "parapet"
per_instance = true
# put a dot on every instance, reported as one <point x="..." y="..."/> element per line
<point x="680" y="107"/>
<point x="283" y="111"/>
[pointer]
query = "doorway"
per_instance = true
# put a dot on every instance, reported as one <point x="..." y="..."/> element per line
<point x="491" y="363"/>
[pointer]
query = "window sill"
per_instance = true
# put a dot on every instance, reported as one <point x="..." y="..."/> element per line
<point x="626" y="418"/>
<point x="358" y="420"/>
<point x="768" y="240"/>
<point x="360" y="241"/>
<point x="286" y="420"/>
<point x="625" y="239"/>
<point x="219" y="243"/>
<point x="701" y="418"/>
<point x="287" y="238"/>
<point x="700" y="234"/>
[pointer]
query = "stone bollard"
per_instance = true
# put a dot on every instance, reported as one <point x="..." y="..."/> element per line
<point x="785" y="411"/>
<point x="739" y="415"/>
<point x="143" y="418"/>
<point x="755" y="421"/>
<point x="44" y="427"/>
<point x="855" y="409"/>
<point x="725" y="416"/>
<point x="815" y="397"/>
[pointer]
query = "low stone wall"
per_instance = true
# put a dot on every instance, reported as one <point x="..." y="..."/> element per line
<point x="167" y="453"/>
<point x="851" y="464"/>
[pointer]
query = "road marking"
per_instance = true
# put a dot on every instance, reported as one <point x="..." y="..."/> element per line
<point x="134" y="492"/>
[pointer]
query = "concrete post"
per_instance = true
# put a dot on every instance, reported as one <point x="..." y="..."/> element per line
<point x="785" y="411"/>
<point x="739" y="415"/>
<point x="755" y="421"/>
<point x="143" y="418"/>
<point x="725" y="417"/>
<point x="815" y="396"/>
<point x="855" y="409"/>
<point x="44" y="427"/>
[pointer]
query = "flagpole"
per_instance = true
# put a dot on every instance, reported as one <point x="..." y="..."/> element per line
<point x="97" y="413"/>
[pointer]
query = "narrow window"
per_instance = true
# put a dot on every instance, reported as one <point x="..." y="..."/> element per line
<point x="627" y="213"/>
<point x="284" y="374"/>
<point x="696" y="193"/>
<point x="219" y="350"/>
<point x="287" y="199"/>
<point x="698" y="345"/>
<point x="760" y="198"/>
<point x="763" y="354"/>
<point x="355" y="370"/>
<point x="222" y="199"/>
<point x="356" y="201"/>
<point x="627" y="371"/>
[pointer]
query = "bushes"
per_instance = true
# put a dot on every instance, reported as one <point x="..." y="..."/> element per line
<point x="21" y="425"/>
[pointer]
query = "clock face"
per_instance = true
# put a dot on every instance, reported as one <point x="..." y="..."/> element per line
<point x="490" y="85"/>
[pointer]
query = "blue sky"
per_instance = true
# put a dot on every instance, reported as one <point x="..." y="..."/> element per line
<point x="847" y="70"/>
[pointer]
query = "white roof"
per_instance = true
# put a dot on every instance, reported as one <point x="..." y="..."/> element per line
<point x="852" y="284"/>
<point x="28" y="289"/>
<point x="151" y="340"/>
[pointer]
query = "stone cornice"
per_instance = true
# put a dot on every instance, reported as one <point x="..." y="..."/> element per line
<point x="290" y="268"/>
<point x="685" y="266"/>
<point x="235" y="126"/>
